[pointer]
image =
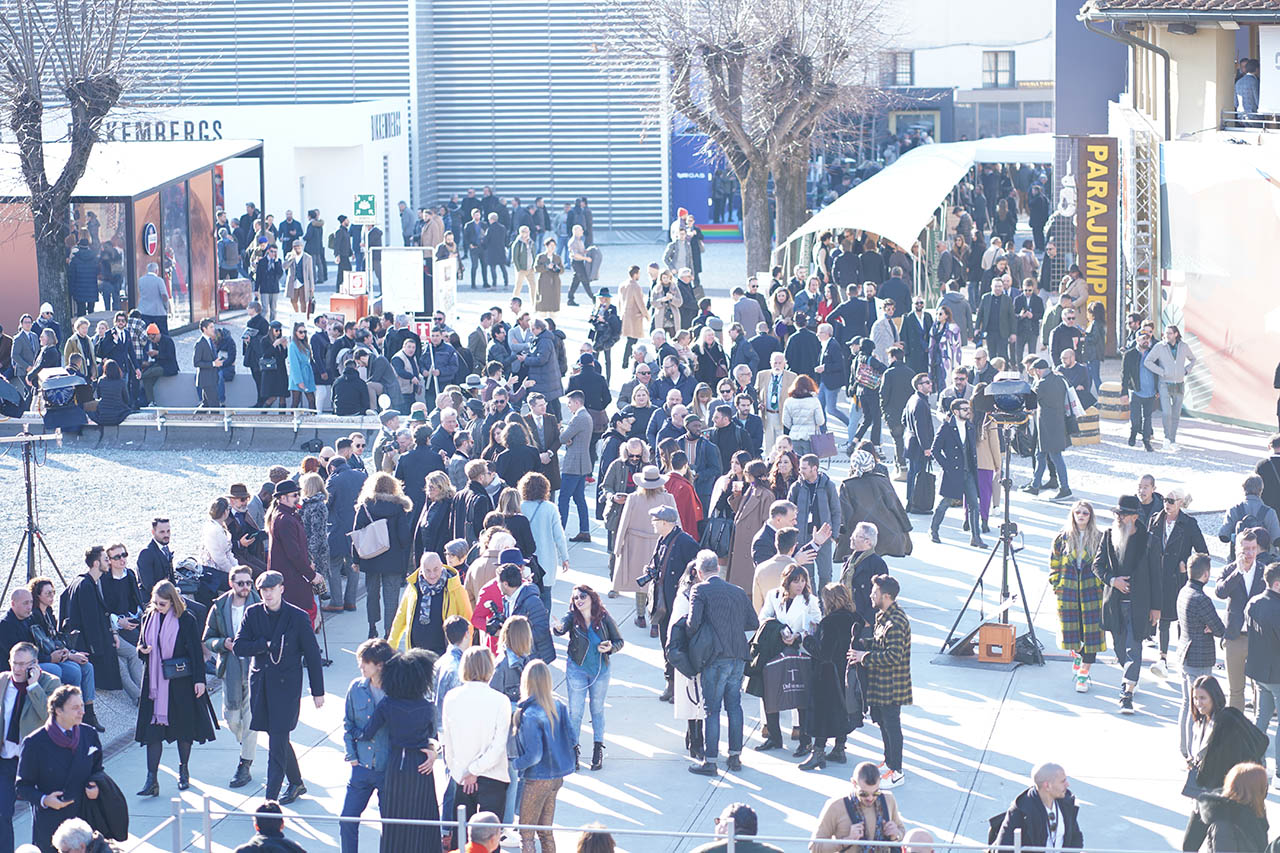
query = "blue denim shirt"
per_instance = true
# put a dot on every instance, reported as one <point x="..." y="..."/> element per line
<point x="1146" y="379"/>
<point x="372" y="754"/>
<point x="447" y="677"/>
<point x="546" y="748"/>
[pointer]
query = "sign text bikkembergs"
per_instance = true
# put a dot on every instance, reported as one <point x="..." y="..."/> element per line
<point x="384" y="126"/>
<point x="201" y="130"/>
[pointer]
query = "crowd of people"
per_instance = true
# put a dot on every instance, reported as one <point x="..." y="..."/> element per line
<point x="746" y="561"/>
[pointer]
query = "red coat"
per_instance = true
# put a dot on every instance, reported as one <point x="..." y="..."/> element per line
<point x="480" y="616"/>
<point x="687" y="503"/>
<point x="289" y="556"/>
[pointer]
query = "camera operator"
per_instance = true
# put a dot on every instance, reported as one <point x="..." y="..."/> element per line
<point x="1051" y="428"/>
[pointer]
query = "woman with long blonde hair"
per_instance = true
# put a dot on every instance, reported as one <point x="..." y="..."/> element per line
<point x="1079" y="590"/>
<point x="547" y="756"/>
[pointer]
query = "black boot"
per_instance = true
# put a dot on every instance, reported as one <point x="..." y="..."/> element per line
<point x="91" y="718"/>
<point x="291" y="793"/>
<point x="184" y="778"/>
<point x="836" y="755"/>
<point x="1146" y="445"/>
<point x="1133" y="436"/>
<point x="577" y="757"/>
<point x="805" y="747"/>
<point x="697" y="740"/>
<point x="816" y="761"/>
<point x="242" y="776"/>
<point x="597" y="756"/>
<point x="669" y="693"/>
<point x="151" y="787"/>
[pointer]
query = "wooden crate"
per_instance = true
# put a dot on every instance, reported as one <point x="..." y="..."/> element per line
<point x="995" y="643"/>
<point x="1113" y="403"/>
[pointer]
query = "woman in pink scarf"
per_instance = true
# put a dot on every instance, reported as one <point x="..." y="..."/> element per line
<point x="174" y="705"/>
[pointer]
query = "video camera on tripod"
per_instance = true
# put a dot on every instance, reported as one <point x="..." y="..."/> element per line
<point x="1013" y="399"/>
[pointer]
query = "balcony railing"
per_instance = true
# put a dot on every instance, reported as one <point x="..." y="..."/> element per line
<point x="1250" y="121"/>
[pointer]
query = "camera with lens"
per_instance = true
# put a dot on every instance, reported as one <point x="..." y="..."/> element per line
<point x="650" y="575"/>
<point x="1013" y="399"/>
<point x="493" y="624"/>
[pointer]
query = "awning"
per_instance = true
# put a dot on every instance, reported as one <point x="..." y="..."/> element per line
<point x="898" y="201"/>
<point x="123" y="169"/>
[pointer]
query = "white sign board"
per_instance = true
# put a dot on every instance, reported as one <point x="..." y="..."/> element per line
<point x="444" y="283"/>
<point x="402" y="282"/>
<point x="1269" y="73"/>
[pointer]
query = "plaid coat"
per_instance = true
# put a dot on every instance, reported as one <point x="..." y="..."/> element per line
<point x="1079" y="594"/>
<point x="888" y="663"/>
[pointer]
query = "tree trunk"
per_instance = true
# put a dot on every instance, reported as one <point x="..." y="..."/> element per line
<point x="51" y="225"/>
<point x="754" y="180"/>
<point x="790" y="179"/>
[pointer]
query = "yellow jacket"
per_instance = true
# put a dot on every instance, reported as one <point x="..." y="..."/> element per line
<point x="456" y="603"/>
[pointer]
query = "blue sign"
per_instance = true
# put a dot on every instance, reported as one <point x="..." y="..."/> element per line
<point x="691" y="174"/>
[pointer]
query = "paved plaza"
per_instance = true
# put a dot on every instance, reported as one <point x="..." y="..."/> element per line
<point x="970" y="738"/>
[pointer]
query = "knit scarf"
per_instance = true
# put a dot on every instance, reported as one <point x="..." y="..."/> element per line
<point x="426" y="596"/>
<point x="161" y="634"/>
<point x="61" y="738"/>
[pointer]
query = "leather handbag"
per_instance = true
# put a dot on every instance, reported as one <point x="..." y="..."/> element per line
<point x="922" y="496"/>
<point x="373" y="539"/>
<point x="823" y="444"/>
<point x="717" y="535"/>
<point x="176" y="668"/>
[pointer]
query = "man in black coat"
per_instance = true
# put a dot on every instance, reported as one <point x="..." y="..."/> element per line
<point x="413" y="467"/>
<point x="1239" y="583"/>
<point x="279" y="638"/>
<point x="895" y="393"/>
<point x="803" y="348"/>
<point x="763" y="343"/>
<point x="672" y="555"/>
<point x="1269" y="470"/>
<point x="350" y="392"/>
<point x="248" y="543"/>
<point x="1130" y="568"/>
<point x="1028" y="312"/>
<point x="472" y="504"/>
<point x="1046" y="813"/>
<point x="918" y="422"/>
<point x="83" y="609"/>
<point x="155" y="562"/>
<point x="727" y="434"/>
<point x="917" y="325"/>
<point x="851" y="319"/>
<point x="995" y="321"/>
<point x="832" y="371"/>
<point x="1262" y="619"/>
<point x="955" y="448"/>
<point x="750" y="422"/>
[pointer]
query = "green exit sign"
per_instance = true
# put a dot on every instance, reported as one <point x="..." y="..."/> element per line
<point x="365" y="209"/>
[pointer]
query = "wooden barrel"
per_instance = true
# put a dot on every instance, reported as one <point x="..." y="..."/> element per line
<point x="1089" y="428"/>
<point x="1113" y="403"/>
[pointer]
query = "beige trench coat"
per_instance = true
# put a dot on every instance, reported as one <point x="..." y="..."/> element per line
<point x="635" y="316"/>
<point x="636" y="539"/>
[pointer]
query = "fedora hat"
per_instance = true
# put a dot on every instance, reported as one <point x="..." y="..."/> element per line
<point x="651" y="478"/>
<point x="238" y="490"/>
<point x="1128" y="505"/>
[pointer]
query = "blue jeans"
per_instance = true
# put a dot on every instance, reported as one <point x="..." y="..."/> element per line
<point x="360" y="790"/>
<point x="562" y="247"/>
<point x="1189" y="676"/>
<point x="79" y="674"/>
<point x="1268" y="704"/>
<point x="1128" y="643"/>
<point x="829" y="398"/>
<point x="581" y="688"/>
<point x="574" y="486"/>
<point x="722" y="685"/>
<point x="1059" y="465"/>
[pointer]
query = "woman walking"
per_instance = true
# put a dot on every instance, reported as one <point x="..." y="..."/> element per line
<point x="174" y="705"/>
<point x="1095" y="343"/>
<point x="515" y="649"/>
<point x="794" y="605"/>
<point x="990" y="459"/>
<point x="545" y="735"/>
<point x="409" y="784"/>
<point x="636" y="538"/>
<point x="302" y="379"/>
<point x="552" y="547"/>
<point x="687" y="690"/>
<point x="1175" y="536"/>
<point x="314" y="512"/>
<point x="593" y="638"/>
<point x="273" y="367"/>
<point x="750" y="506"/>
<point x="1079" y="590"/>
<point x="803" y="417"/>
<point x="382" y="500"/>
<point x="830" y="718"/>
<point x="434" y="526"/>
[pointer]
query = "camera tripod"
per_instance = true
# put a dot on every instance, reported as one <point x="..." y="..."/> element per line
<point x="31" y="534"/>
<point x="1003" y="547"/>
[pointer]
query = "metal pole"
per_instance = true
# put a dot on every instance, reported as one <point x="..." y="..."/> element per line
<point x="27" y="461"/>
<point x="208" y="825"/>
<point x="731" y="831"/>
<point x="1017" y="840"/>
<point x="176" y="804"/>
<point x="461" y="841"/>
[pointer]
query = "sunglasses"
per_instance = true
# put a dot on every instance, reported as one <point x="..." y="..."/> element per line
<point x="242" y="583"/>
<point x="358" y="446"/>
<point x="1171" y="500"/>
<point x="117" y="556"/>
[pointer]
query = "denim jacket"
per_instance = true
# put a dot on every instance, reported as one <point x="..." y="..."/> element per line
<point x="546" y="749"/>
<point x="372" y="754"/>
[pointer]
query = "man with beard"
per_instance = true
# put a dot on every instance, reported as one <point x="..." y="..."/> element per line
<point x="1131" y="601"/>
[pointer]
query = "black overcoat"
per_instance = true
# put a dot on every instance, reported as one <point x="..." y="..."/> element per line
<point x="279" y="653"/>
<point x="191" y="718"/>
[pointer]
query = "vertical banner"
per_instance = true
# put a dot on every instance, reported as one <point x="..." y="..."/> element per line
<point x="444" y="284"/>
<point x="1098" y="224"/>
<point x="690" y="177"/>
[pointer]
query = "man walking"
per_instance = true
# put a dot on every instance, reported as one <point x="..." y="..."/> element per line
<point x="1198" y="625"/>
<point x="1240" y="582"/>
<point x="279" y="638"/>
<point x="772" y="387"/>
<point x="225" y="618"/>
<point x="1131" y="570"/>
<point x="1139" y="383"/>
<point x="955" y="449"/>
<point x="727" y="609"/>
<point x="1262" y="618"/>
<point x="888" y="673"/>
<point x="576" y="438"/>
<point x="207" y="362"/>
<point x="1051" y="428"/>
<point x="918" y="421"/>
<point x="1171" y="360"/>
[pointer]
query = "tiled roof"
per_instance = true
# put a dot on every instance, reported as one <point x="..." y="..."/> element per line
<point x="1223" y="6"/>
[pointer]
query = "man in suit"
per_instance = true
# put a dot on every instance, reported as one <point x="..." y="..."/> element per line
<point x="26" y="346"/>
<point x="955" y="447"/>
<point x="896" y="392"/>
<point x="280" y="639"/>
<point x="207" y="361"/>
<point x="544" y="436"/>
<point x="478" y="340"/>
<point x="248" y="545"/>
<point x="764" y="343"/>
<point x="24" y="707"/>
<point x="225" y="618"/>
<point x="918" y="422"/>
<point x="155" y="562"/>
<point x="751" y="423"/>
<point x="803" y="347"/>
<point x="782" y="514"/>
<point x="727" y="609"/>
<point x="576" y="437"/>
<point x="1051" y="428"/>
<point x="772" y="387"/>
<point x="1130" y="571"/>
<point x="995" y="321"/>
<point x="746" y="310"/>
<point x="1240" y="581"/>
<point x="1028" y="311"/>
<point x="832" y="371"/>
<point x="916" y="328"/>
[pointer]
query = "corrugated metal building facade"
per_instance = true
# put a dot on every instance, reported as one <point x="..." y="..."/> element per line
<point x="501" y="93"/>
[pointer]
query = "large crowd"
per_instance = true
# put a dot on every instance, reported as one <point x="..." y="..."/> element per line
<point x="748" y="564"/>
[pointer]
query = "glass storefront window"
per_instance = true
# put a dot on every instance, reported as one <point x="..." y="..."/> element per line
<point x="103" y="225"/>
<point x="175" y="263"/>
<point x="1010" y="119"/>
<point x="966" y="118"/>
<point x="988" y="120"/>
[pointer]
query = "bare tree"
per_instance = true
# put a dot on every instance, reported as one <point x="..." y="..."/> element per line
<point x="74" y="56"/>
<point x="759" y="78"/>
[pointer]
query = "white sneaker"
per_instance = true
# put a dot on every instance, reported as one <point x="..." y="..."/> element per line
<point x="1157" y="668"/>
<point x="1082" y="683"/>
<point x="1171" y="447"/>
<point x="893" y="779"/>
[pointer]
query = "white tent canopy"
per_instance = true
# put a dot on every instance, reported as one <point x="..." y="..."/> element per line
<point x="898" y="201"/>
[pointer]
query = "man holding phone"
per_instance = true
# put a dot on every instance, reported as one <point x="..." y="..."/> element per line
<point x="24" y="697"/>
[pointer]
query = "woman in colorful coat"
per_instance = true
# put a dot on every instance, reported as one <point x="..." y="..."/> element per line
<point x="1079" y="590"/>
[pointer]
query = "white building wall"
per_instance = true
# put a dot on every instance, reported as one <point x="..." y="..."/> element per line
<point x="947" y="38"/>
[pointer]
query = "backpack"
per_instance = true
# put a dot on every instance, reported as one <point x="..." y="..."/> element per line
<point x="333" y="240"/>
